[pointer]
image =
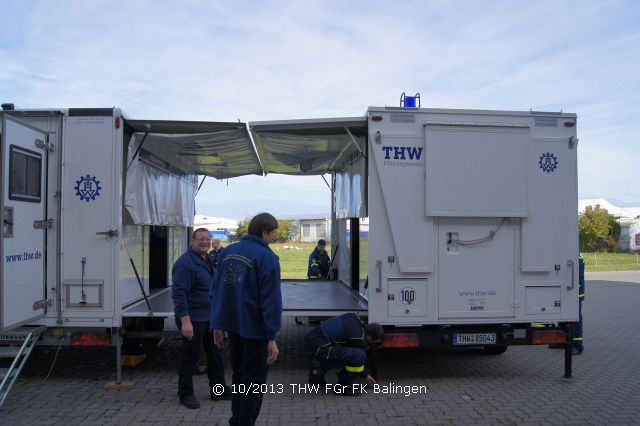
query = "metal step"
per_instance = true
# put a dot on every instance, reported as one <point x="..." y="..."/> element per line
<point x="21" y="333"/>
<point x="4" y="371"/>
<point x="27" y="337"/>
<point x="9" y="351"/>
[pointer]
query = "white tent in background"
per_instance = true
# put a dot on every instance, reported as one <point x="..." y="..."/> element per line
<point x="604" y="204"/>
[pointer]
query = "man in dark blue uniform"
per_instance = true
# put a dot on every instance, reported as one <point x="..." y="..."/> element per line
<point x="341" y="342"/>
<point x="247" y="304"/>
<point x="319" y="262"/>
<point x="192" y="276"/>
<point x="214" y="254"/>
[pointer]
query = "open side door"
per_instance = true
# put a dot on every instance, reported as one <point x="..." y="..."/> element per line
<point x="24" y="193"/>
<point x="336" y="146"/>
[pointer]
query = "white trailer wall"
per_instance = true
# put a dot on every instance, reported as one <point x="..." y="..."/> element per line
<point x="473" y="216"/>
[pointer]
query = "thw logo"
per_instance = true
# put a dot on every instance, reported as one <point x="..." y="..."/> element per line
<point x="88" y="188"/>
<point x="402" y="152"/>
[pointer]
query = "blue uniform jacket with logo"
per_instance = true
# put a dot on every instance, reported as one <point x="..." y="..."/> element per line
<point x="246" y="295"/>
<point x="318" y="264"/>
<point x="192" y="280"/>
<point x="346" y="329"/>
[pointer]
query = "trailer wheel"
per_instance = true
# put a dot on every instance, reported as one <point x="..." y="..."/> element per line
<point x="496" y="350"/>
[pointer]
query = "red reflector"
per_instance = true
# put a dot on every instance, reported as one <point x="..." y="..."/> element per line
<point x="569" y="124"/>
<point x="541" y="337"/>
<point x="400" y="340"/>
<point x="376" y="118"/>
<point x="90" y="339"/>
<point x="117" y="122"/>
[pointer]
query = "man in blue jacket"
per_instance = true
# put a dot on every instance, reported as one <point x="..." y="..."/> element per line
<point x="247" y="304"/>
<point x="214" y="254"/>
<point x="341" y="342"/>
<point x="319" y="262"/>
<point x="192" y="276"/>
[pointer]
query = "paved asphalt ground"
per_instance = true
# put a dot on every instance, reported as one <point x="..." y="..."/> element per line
<point x="523" y="386"/>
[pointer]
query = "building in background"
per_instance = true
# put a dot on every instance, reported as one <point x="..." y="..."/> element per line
<point x="629" y="234"/>
<point x="219" y="227"/>
<point x="315" y="227"/>
<point x="312" y="227"/>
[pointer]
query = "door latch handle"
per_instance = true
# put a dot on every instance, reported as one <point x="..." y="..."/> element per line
<point x="113" y="233"/>
<point x="571" y="265"/>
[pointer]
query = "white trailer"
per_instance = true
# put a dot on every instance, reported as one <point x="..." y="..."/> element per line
<point x="473" y="232"/>
<point x="473" y="223"/>
<point x="93" y="222"/>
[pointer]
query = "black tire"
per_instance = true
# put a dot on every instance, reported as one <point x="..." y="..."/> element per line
<point x="496" y="350"/>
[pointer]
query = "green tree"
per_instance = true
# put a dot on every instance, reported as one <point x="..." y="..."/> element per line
<point x="282" y="234"/>
<point x="596" y="224"/>
<point x="294" y="229"/>
<point x="243" y="226"/>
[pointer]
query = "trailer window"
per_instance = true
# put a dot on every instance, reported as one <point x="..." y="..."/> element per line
<point x="25" y="169"/>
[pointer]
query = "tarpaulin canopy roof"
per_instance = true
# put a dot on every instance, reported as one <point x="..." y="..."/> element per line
<point x="164" y="157"/>
<point x="220" y="150"/>
<point x="308" y="147"/>
<point x="224" y="150"/>
<point x="181" y="127"/>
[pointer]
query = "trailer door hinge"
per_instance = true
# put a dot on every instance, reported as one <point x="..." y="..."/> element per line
<point x="41" y="304"/>
<point x="47" y="146"/>
<point x="573" y="141"/>
<point x="43" y="224"/>
<point x="515" y="304"/>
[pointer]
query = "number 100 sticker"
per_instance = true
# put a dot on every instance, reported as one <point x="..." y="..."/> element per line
<point x="407" y="295"/>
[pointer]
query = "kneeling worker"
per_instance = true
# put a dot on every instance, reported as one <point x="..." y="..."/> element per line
<point x="341" y="342"/>
<point x="319" y="262"/>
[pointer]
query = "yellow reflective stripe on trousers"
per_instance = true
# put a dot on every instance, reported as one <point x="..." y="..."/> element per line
<point x="577" y="338"/>
<point x="351" y="369"/>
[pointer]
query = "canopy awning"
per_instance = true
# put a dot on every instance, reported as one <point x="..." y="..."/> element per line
<point x="165" y="157"/>
<point x="219" y="150"/>
<point x="308" y="147"/>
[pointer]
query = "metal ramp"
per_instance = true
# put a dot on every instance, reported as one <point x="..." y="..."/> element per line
<point x="16" y="344"/>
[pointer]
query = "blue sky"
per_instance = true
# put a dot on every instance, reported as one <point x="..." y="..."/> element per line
<point x="269" y="60"/>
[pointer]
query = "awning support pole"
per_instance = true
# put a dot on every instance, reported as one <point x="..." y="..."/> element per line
<point x="355" y="142"/>
<point x="325" y="181"/>
<point x="135" y="154"/>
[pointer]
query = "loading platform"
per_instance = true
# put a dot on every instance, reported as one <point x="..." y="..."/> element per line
<point x="307" y="298"/>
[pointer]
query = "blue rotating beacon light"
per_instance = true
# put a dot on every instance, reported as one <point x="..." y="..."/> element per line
<point x="409" y="101"/>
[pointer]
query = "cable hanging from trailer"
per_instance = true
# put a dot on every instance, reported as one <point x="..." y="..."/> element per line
<point x="477" y="241"/>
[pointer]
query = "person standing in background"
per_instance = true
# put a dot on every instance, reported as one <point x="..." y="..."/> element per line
<point x="214" y="254"/>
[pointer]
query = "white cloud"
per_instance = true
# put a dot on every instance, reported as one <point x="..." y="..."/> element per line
<point x="255" y="60"/>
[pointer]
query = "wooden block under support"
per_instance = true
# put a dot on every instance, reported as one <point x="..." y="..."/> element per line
<point x="119" y="386"/>
<point x="132" y="360"/>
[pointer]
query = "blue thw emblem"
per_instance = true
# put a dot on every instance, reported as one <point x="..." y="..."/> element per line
<point x="548" y="162"/>
<point x="88" y="188"/>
